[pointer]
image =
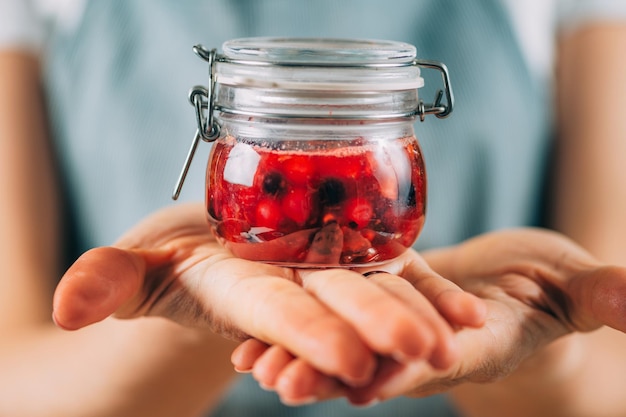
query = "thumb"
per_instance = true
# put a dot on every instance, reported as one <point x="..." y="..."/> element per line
<point x="600" y="298"/>
<point x="97" y="284"/>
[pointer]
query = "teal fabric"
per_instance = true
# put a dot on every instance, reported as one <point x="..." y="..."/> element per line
<point x="122" y="123"/>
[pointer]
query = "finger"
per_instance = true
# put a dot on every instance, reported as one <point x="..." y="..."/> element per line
<point x="378" y="390"/>
<point x="97" y="284"/>
<point x="299" y="384"/>
<point x="599" y="298"/>
<point x="385" y="323"/>
<point x="393" y="379"/>
<point x="270" y="364"/>
<point x="457" y="306"/>
<point x="445" y="350"/>
<point x="461" y="308"/>
<point x="245" y="355"/>
<point x="278" y="311"/>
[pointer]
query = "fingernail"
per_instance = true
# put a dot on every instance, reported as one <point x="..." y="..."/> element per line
<point x="242" y="371"/>
<point x="365" y="374"/>
<point x="355" y="382"/>
<point x="404" y="357"/>
<point x="367" y="404"/>
<point x="371" y="403"/>
<point x="298" y="402"/>
<point x="54" y="319"/>
<point x="59" y="324"/>
<point x="400" y="356"/>
<point x="266" y="387"/>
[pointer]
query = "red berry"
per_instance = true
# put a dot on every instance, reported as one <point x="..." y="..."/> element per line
<point x="359" y="212"/>
<point x="268" y="213"/>
<point x="346" y="167"/>
<point x="369" y="234"/>
<point x="296" y="205"/>
<point x="232" y="230"/>
<point x="238" y="202"/>
<point x="299" y="169"/>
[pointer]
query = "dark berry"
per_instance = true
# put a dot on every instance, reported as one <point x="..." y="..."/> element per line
<point x="273" y="183"/>
<point x="332" y="192"/>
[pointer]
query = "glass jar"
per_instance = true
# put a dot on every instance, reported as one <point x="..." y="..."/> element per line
<point x="315" y="161"/>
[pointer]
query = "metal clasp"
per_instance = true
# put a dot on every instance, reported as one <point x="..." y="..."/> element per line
<point x="441" y="111"/>
<point x="202" y="100"/>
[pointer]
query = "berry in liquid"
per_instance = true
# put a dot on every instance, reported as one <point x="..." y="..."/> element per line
<point x="360" y="204"/>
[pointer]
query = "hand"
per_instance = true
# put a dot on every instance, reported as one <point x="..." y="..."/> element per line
<point x="338" y="321"/>
<point x="537" y="285"/>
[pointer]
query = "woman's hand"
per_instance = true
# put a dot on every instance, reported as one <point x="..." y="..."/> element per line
<point x="335" y="319"/>
<point x="537" y="285"/>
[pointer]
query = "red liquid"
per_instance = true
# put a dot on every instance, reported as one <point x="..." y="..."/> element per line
<point x="359" y="204"/>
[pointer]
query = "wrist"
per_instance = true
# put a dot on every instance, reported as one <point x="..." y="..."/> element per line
<point x="543" y="385"/>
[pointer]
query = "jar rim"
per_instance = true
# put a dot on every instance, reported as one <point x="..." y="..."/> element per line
<point x="320" y="51"/>
<point x="330" y="64"/>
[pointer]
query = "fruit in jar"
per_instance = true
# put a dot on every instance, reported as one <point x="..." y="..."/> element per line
<point x="357" y="204"/>
<point x="296" y="205"/>
<point x="359" y="212"/>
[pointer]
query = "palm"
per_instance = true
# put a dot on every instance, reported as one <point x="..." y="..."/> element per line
<point x="537" y="286"/>
<point x="175" y="251"/>
<point x="171" y="266"/>
<point x="515" y="328"/>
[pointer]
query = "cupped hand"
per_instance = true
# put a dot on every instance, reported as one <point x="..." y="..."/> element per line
<point x="537" y="286"/>
<point x="170" y="265"/>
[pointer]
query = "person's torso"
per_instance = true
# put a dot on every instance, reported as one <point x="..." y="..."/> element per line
<point x="118" y="86"/>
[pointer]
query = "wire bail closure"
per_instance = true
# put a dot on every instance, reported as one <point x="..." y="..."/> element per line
<point x="203" y="101"/>
<point x="201" y="98"/>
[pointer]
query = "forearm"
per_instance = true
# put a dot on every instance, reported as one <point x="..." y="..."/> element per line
<point x="114" y="368"/>
<point x="123" y="368"/>
<point x="583" y="374"/>
<point x="29" y="215"/>
<point x="590" y="183"/>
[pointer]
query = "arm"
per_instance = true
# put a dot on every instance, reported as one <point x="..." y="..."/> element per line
<point x="581" y="375"/>
<point x="115" y="368"/>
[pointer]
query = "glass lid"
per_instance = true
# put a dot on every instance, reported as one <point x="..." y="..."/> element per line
<point x="320" y="51"/>
<point x="319" y="64"/>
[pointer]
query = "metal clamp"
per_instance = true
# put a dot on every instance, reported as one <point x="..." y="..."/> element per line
<point x="436" y="108"/>
<point x="201" y="99"/>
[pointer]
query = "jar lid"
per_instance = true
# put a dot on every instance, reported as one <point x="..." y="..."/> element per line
<point x="319" y="64"/>
<point x="381" y="78"/>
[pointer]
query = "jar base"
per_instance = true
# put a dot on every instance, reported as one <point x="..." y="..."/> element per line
<point x="308" y="266"/>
